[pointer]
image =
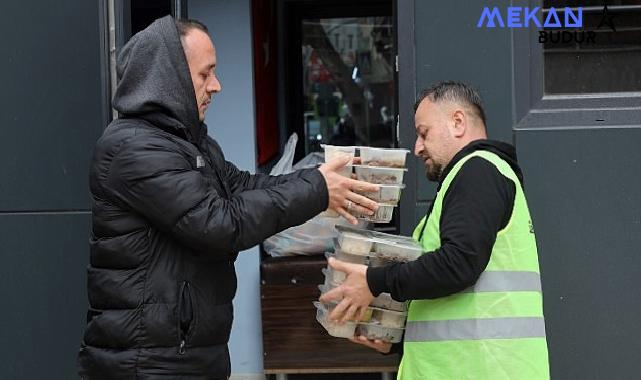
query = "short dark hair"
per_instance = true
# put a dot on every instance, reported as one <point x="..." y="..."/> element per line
<point x="185" y="25"/>
<point x="457" y="92"/>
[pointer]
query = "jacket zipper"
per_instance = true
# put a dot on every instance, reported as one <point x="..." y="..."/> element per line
<point x="185" y="316"/>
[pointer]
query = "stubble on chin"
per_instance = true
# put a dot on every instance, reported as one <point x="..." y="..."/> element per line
<point x="434" y="174"/>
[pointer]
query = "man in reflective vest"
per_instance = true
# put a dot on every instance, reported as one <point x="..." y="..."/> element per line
<point x="475" y="307"/>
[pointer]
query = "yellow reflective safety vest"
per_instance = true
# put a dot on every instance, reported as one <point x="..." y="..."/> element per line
<point x="494" y="329"/>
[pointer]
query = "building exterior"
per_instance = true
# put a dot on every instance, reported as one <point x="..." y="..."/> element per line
<point x="571" y="107"/>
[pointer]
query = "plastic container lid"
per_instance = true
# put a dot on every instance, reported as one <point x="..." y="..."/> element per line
<point x="334" y="151"/>
<point x="387" y="157"/>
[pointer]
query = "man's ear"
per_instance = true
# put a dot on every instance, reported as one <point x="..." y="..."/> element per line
<point x="460" y="123"/>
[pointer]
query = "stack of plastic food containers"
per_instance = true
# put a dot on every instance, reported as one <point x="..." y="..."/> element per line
<point x="385" y="167"/>
<point x="385" y="318"/>
<point x="382" y="166"/>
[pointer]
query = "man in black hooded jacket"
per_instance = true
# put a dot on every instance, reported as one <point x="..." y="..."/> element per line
<point x="170" y="216"/>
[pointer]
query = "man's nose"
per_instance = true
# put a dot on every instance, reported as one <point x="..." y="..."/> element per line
<point x="418" y="147"/>
<point x="214" y="85"/>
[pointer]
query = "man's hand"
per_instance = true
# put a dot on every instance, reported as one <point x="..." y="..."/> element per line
<point x="354" y="292"/>
<point x="376" y="344"/>
<point x="342" y="197"/>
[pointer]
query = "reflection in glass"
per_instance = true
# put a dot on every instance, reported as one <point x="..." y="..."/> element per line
<point x="348" y="82"/>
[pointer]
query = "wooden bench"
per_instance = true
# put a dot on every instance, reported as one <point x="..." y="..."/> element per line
<point x="293" y="341"/>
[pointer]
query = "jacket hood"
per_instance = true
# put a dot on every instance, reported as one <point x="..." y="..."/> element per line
<point x="504" y="150"/>
<point x="155" y="83"/>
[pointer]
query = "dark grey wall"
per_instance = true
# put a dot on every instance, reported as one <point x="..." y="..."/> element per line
<point x="52" y="114"/>
<point x="584" y="193"/>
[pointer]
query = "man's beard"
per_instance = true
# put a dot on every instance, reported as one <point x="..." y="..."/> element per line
<point x="434" y="173"/>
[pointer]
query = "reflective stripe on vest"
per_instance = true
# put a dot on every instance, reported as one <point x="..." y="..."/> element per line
<point x="475" y="329"/>
<point x="506" y="281"/>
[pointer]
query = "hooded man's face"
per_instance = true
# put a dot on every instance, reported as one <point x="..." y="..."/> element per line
<point x="201" y="58"/>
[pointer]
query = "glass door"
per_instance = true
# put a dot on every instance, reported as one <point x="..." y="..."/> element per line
<point x="348" y="81"/>
<point x="340" y="73"/>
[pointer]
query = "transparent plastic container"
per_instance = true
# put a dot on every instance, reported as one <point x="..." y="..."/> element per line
<point x="382" y="215"/>
<point x="334" y="329"/>
<point x="335" y="151"/>
<point x="367" y="318"/>
<point x="354" y="243"/>
<point x="396" y="251"/>
<point x="380" y="262"/>
<point x="345" y="171"/>
<point x="379" y="175"/>
<point x="389" y="194"/>
<point x="374" y="331"/>
<point x="354" y="230"/>
<point x="387" y="157"/>
<point x="385" y="301"/>
<point x="341" y="255"/>
<point x="329" y="214"/>
<point x="333" y="277"/>
<point x="387" y="318"/>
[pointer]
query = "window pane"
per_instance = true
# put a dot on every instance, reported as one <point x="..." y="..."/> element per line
<point x="602" y="56"/>
<point x="348" y="82"/>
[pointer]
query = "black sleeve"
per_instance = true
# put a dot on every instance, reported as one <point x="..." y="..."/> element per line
<point x="156" y="181"/>
<point x="477" y="205"/>
<point x="240" y="180"/>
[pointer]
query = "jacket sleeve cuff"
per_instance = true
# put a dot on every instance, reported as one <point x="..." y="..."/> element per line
<point x="322" y="191"/>
<point x="376" y="280"/>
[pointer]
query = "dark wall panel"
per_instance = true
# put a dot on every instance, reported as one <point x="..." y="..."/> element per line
<point x="42" y="278"/>
<point x="449" y="46"/>
<point x="584" y="191"/>
<point x="51" y="103"/>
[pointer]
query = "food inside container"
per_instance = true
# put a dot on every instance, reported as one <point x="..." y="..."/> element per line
<point x="379" y="262"/>
<point x="335" y="329"/>
<point x="385" y="301"/>
<point x="336" y="151"/>
<point x="387" y="157"/>
<point x="396" y="251"/>
<point x="382" y="215"/>
<point x="387" y="318"/>
<point x="354" y="243"/>
<point x="379" y="175"/>
<point x="373" y="331"/>
<point x="389" y="194"/>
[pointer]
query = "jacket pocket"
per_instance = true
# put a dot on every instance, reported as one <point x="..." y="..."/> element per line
<point x="185" y="316"/>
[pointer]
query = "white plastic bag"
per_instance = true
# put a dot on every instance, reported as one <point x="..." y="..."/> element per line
<point x="313" y="237"/>
<point x="284" y="165"/>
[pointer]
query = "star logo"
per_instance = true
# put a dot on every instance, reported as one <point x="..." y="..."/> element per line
<point x="606" y="19"/>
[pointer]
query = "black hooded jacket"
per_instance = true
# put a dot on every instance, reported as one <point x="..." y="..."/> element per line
<point x="169" y="216"/>
<point x="477" y="205"/>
